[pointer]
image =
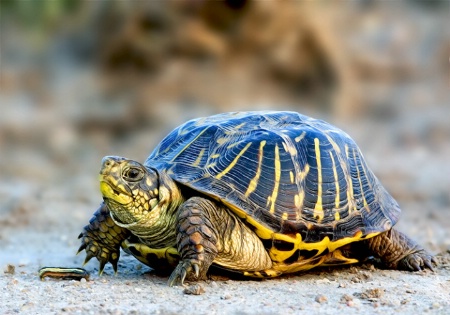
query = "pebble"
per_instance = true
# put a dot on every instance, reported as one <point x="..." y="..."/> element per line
<point x="325" y="280"/>
<point x="321" y="298"/>
<point x="435" y="305"/>
<point x="195" y="289"/>
<point x="10" y="269"/>
<point x="346" y="298"/>
<point x="226" y="296"/>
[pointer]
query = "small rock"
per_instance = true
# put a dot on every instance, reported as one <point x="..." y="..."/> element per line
<point x="10" y="269"/>
<point x="324" y="280"/>
<point x="226" y="296"/>
<point x="435" y="305"/>
<point x="356" y="280"/>
<point x="371" y="294"/>
<point x="346" y="298"/>
<point x="321" y="298"/>
<point x="195" y="289"/>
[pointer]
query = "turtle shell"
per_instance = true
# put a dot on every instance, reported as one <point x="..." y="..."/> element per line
<point x="296" y="181"/>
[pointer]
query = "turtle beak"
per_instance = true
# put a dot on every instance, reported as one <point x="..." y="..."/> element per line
<point x="110" y="184"/>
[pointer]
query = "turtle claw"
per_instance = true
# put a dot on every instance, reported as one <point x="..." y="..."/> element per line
<point x="114" y="265"/>
<point x="196" y="270"/>
<point x="82" y="247"/>
<point x="418" y="261"/>
<point x="89" y="256"/>
<point x="101" y="267"/>
<point x="429" y="264"/>
<point x="183" y="269"/>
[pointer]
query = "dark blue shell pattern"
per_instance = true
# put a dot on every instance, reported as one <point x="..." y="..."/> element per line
<point x="288" y="172"/>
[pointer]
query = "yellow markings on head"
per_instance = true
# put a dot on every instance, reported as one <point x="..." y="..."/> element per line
<point x="148" y="182"/>
<point x="273" y="198"/>
<point x="336" y="182"/>
<point x="284" y="216"/>
<point x="254" y="182"/>
<point x="291" y="176"/>
<point x="199" y="158"/>
<point x="156" y="191"/>
<point x="299" y="138"/>
<point x="233" y="163"/>
<point x="108" y="192"/>
<point x="318" y="208"/>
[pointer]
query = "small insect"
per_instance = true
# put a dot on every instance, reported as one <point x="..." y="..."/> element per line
<point x="63" y="273"/>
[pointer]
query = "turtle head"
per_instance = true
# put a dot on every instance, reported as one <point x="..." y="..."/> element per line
<point x="130" y="189"/>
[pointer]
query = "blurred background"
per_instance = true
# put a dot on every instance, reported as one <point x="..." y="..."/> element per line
<point x="84" y="79"/>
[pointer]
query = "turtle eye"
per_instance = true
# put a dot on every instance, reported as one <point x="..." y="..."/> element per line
<point x="133" y="174"/>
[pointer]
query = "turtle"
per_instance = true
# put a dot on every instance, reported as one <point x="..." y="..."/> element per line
<point x="260" y="194"/>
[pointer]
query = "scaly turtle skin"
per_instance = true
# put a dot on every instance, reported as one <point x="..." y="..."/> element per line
<point x="259" y="193"/>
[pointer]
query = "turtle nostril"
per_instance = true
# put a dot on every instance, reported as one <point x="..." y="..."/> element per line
<point x="107" y="163"/>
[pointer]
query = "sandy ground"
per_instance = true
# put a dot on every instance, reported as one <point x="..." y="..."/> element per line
<point x="47" y="199"/>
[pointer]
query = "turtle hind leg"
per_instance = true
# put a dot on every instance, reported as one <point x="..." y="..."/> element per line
<point x="398" y="251"/>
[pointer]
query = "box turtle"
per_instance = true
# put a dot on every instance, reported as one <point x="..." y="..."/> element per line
<point x="257" y="193"/>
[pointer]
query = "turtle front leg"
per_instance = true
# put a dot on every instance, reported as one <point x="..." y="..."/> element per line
<point x="398" y="251"/>
<point x="196" y="240"/>
<point x="101" y="238"/>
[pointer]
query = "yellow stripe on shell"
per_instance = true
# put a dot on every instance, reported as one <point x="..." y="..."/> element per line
<point x="233" y="163"/>
<point x="254" y="182"/>
<point x="359" y="179"/>
<point x="189" y="144"/>
<point x="108" y="192"/>
<point x="277" y="162"/>
<point x="300" y="137"/>
<point x="336" y="181"/>
<point x="318" y="208"/>
<point x="199" y="158"/>
<point x="350" y="192"/>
